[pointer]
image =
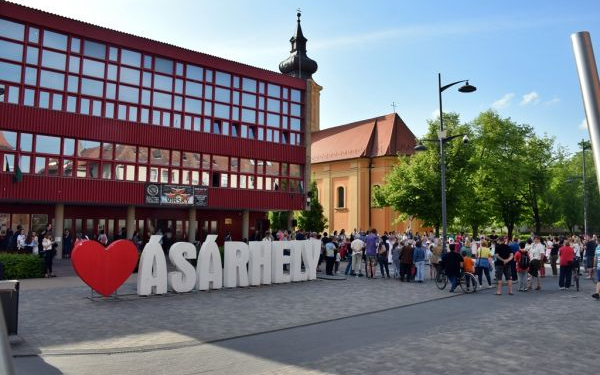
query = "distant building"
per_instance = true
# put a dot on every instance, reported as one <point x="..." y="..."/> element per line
<point x="347" y="161"/>
<point x="112" y="130"/>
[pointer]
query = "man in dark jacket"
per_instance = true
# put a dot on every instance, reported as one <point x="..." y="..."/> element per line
<point x="406" y="261"/>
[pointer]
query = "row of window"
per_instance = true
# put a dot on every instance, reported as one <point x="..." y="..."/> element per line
<point x="90" y="106"/>
<point x="133" y="78"/>
<point x="57" y="43"/>
<point x="81" y="168"/>
<point x="26" y="144"/>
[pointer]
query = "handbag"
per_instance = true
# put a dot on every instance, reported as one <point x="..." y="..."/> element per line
<point x="482" y="262"/>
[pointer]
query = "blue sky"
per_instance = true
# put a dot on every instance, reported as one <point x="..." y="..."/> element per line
<point x="370" y="54"/>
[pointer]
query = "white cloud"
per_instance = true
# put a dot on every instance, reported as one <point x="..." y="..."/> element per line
<point x="553" y="101"/>
<point x="531" y="98"/>
<point x="503" y="102"/>
<point x="583" y="125"/>
<point x="435" y="114"/>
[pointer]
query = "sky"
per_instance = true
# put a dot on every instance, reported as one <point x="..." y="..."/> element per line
<point x="374" y="53"/>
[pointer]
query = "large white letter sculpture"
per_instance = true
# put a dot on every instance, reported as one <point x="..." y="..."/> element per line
<point x="209" y="274"/>
<point x="259" y="265"/>
<point x="152" y="270"/>
<point x="235" y="272"/>
<point x="311" y="250"/>
<point x="278" y="260"/>
<point x="184" y="279"/>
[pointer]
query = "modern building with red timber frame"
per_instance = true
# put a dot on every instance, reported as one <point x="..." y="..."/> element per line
<point x="103" y="130"/>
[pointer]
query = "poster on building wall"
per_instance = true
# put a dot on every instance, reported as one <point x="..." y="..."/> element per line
<point x="200" y="196"/>
<point x="152" y="193"/>
<point x="177" y="195"/>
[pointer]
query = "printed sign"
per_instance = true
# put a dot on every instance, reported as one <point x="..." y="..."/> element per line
<point x="152" y="193"/>
<point x="178" y="195"/>
<point x="200" y="196"/>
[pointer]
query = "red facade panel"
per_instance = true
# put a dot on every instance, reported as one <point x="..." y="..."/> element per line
<point x="103" y="192"/>
<point x="51" y="21"/>
<point x="43" y="121"/>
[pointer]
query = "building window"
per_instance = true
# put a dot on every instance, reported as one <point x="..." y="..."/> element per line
<point x="341" y="202"/>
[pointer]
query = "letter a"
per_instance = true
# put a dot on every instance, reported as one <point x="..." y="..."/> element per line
<point x="209" y="274"/>
<point x="152" y="271"/>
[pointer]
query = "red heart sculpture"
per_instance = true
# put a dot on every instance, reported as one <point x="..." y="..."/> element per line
<point x="104" y="270"/>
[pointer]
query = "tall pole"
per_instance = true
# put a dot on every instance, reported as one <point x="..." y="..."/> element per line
<point x="590" y="90"/>
<point x="585" y="223"/>
<point x="443" y="165"/>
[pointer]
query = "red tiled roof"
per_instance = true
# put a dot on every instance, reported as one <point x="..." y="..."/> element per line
<point x="380" y="136"/>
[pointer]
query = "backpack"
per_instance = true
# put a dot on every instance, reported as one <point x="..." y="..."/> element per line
<point x="524" y="261"/>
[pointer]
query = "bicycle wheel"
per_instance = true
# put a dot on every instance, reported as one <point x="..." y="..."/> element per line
<point x="441" y="280"/>
<point x="468" y="283"/>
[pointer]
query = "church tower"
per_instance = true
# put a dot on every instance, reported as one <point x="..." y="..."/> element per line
<point x="299" y="65"/>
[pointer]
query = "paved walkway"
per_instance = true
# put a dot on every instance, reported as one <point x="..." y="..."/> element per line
<point x="56" y="316"/>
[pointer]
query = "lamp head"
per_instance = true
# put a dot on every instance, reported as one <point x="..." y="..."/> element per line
<point x="467" y="88"/>
<point x="420" y="147"/>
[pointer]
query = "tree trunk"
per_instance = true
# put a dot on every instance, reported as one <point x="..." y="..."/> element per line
<point x="475" y="229"/>
<point x="510" y="228"/>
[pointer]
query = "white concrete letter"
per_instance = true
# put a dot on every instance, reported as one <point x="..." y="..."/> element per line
<point x="209" y="274"/>
<point x="184" y="279"/>
<point x="296" y="261"/>
<point x="152" y="271"/>
<point x="235" y="272"/>
<point x="259" y="266"/>
<point x="278" y="260"/>
<point x="311" y="250"/>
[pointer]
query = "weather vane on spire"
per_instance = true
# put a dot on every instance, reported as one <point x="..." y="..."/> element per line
<point x="394" y="106"/>
<point x="299" y="13"/>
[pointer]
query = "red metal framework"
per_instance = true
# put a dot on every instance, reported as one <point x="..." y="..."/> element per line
<point x="218" y="127"/>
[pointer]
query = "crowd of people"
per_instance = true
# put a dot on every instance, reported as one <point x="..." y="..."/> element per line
<point x="491" y="258"/>
<point x="520" y="261"/>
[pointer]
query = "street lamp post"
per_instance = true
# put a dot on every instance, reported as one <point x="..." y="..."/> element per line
<point x="466" y="88"/>
<point x="584" y="146"/>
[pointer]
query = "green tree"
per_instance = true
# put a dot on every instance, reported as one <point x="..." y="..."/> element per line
<point x="539" y="158"/>
<point x="313" y="220"/>
<point x="502" y="170"/>
<point x="413" y="187"/>
<point x="278" y="220"/>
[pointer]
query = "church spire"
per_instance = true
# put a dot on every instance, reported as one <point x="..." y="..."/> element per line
<point x="298" y="64"/>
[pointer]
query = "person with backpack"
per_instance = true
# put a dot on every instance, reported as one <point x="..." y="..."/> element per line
<point x="522" y="261"/>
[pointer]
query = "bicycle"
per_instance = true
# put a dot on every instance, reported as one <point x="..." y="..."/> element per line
<point x="467" y="281"/>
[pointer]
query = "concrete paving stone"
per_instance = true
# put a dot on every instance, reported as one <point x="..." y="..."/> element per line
<point x="74" y="323"/>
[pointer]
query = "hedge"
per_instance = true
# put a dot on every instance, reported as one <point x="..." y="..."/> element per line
<point x="22" y="266"/>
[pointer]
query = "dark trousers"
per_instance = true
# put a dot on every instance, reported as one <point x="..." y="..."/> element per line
<point x="383" y="265"/>
<point x="564" y="279"/>
<point x="48" y="263"/>
<point x="483" y="270"/>
<point x="405" y="271"/>
<point x="513" y="270"/>
<point x="329" y="263"/>
<point x="553" y="259"/>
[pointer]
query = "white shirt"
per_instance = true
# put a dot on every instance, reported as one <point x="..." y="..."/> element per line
<point x="357" y="245"/>
<point x="536" y="251"/>
<point x="21" y="241"/>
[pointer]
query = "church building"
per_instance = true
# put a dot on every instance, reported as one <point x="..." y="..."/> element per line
<point x="348" y="161"/>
